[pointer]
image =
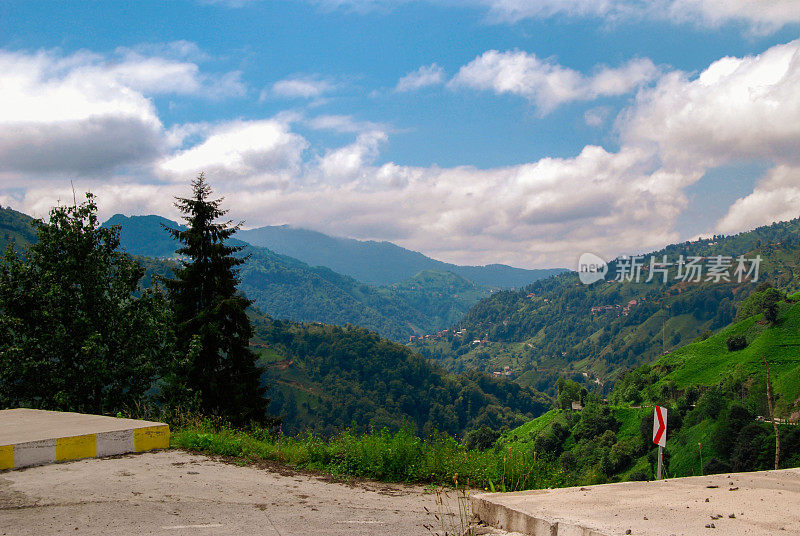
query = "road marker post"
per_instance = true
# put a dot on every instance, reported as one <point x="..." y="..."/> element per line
<point x="660" y="434"/>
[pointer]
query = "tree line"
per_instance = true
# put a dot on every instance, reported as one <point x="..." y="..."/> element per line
<point x="79" y="332"/>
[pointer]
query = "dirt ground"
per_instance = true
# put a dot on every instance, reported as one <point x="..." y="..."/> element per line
<point x="173" y="492"/>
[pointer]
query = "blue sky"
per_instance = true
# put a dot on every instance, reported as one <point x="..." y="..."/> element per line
<point x="476" y="131"/>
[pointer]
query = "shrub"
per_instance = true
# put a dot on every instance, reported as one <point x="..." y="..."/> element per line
<point x="638" y="476"/>
<point x="715" y="466"/>
<point x="736" y="342"/>
<point x="481" y="439"/>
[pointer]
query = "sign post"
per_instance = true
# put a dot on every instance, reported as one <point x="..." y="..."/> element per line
<point x="660" y="434"/>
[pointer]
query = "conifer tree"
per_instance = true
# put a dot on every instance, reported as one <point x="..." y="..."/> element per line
<point x="216" y="368"/>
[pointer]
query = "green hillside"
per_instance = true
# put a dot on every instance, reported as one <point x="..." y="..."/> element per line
<point x="15" y="228"/>
<point x="560" y="327"/>
<point x="715" y="391"/>
<point x="327" y="378"/>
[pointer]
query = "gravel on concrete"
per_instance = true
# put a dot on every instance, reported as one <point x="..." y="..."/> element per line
<point x="178" y="493"/>
<point x="764" y="503"/>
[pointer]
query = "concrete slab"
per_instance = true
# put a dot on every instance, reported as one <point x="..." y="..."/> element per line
<point x="753" y="504"/>
<point x="36" y="437"/>
<point x="172" y="492"/>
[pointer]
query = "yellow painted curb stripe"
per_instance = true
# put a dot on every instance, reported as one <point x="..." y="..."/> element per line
<point x="151" y="437"/>
<point x="6" y="457"/>
<point x="77" y="447"/>
<point x="84" y="446"/>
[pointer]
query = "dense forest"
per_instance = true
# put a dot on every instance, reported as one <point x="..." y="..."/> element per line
<point x="327" y="378"/>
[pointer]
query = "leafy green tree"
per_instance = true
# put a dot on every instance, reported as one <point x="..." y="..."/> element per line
<point x="216" y="368"/>
<point x="568" y="392"/>
<point x="73" y="336"/>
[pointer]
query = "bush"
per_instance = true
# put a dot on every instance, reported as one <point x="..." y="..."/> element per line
<point x="481" y="439"/>
<point x="595" y="420"/>
<point x="638" y="476"/>
<point x="736" y="342"/>
<point x="715" y="466"/>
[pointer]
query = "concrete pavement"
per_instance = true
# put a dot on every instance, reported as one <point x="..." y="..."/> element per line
<point x="175" y="493"/>
<point x="752" y="504"/>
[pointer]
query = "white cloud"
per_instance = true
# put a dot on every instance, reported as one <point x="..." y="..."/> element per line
<point x="344" y="124"/>
<point x="759" y="16"/>
<point x="65" y="115"/>
<point x="87" y="113"/>
<point x="306" y="87"/>
<point x="775" y="198"/>
<point x="69" y="112"/>
<point x="240" y="149"/>
<point x="548" y="84"/>
<point x="597" y="116"/>
<point x="597" y="201"/>
<point x="738" y="108"/>
<point x="427" y="75"/>
<point x="762" y="16"/>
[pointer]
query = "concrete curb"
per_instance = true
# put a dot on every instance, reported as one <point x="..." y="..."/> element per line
<point x="761" y="503"/>
<point x="36" y="437"/>
<point x="512" y="520"/>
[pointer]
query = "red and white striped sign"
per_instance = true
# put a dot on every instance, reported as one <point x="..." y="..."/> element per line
<point x="660" y="426"/>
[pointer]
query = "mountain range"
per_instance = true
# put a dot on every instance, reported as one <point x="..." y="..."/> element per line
<point x="379" y="263"/>
<point x="426" y="301"/>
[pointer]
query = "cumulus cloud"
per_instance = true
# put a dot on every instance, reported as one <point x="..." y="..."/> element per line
<point x="87" y="113"/>
<point x="775" y="198"/>
<point x="598" y="200"/>
<point x="738" y="108"/>
<point x="65" y="114"/>
<point x="427" y="75"/>
<point x="546" y="83"/>
<point x="238" y="149"/>
<point x="542" y="213"/>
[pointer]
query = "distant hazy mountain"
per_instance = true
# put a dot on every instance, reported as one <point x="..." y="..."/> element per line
<point x="285" y="287"/>
<point x="144" y="235"/>
<point x="378" y="263"/>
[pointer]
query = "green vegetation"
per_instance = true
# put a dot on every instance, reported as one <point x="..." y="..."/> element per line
<point x="391" y="456"/>
<point x="328" y="378"/>
<point x="72" y="334"/>
<point x="215" y="370"/>
<point x="16" y="228"/>
<point x="285" y="287"/>
<point x="591" y="334"/>
<point x="716" y="397"/>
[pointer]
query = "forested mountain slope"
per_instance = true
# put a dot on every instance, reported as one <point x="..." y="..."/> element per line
<point x="715" y="392"/>
<point x="288" y="288"/>
<point x="559" y="326"/>
<point x="328" y="378"/>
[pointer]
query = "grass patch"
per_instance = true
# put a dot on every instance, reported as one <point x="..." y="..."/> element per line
<point x="387" y="456"/>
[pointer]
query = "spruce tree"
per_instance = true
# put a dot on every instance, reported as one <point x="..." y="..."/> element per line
<point x="216" y="368"/>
